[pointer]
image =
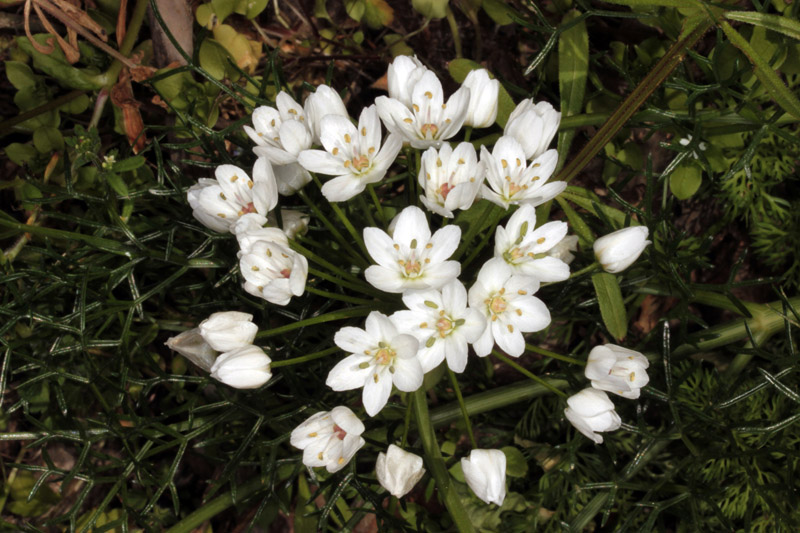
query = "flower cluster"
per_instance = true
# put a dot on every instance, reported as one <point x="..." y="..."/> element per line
<point x="296" y="144"/>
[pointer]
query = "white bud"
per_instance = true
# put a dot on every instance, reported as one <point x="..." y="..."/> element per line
<point x="483" y="92"/>
<point x="242" y="368"/>
<point x="618" y="370"/>
<point x="193" y="347"/>
<point x="485" y="473"/>
<point x="591" y="411"/>
<point x="618" y="250"/>
<point x="323" y="101"/>
<point x="398" y="470"/>
<point x="533" y="126"/>
<point x="228" y="330"/>
<point x="294" y="222"/>
<point x="564" y="249"/>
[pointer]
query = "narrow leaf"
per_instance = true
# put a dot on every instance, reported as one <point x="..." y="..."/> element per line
<point x="651" y="3"/>
<point x="772" y="82"/>
<point x="612" y="308"/>
<point x="573" y="69"/>
<point x="784" y="25"/>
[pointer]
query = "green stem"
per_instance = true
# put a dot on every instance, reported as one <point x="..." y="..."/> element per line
<point x="496" y="398"/>
<point x="474" y="228"/>
<point x="305" y="358"/>
<point x="451" y="20"/>
<point x="131" y="36"/>
<point x="378" y="206"/>
<point x="365" y="208"/>
<point x="6" y="126"/>
<point x="554" y="355"/>
<point x="327" y="264"/>
<point x="355" y="256"/>
<point x="211" y="509"/>
<point x="463" y="407"/>
<point x="585" y="270"/>
<point x="407" y="421"/>
<point x="524" y="371"/>
<point x="489" y="234"/>
<point x="340" y="297"/>
<point x="346" y="284"/>
<point x="327" y="317"/>
<point x="437" y="466"/>
<point x="633" y="102"/>
<point x="347" y="224"/>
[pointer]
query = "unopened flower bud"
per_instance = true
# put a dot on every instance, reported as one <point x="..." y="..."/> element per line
<point x="228" y="330"/>
<point x="618" y="370"/>
<point x="591" y="411"/>
<point x="618" y="250"/>
<point x="483" y="92"/>
<point x="243" y="368"/>
<point x="398" y="470"/>
<point x="485" y="473"/>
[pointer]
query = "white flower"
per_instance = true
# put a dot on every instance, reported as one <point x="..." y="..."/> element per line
<point x="273" y="272"/>
<point x="280" y="134"/>
<point x="563" y="250"/>
<point x="354" y="156"/>
<point x="379" y="356"/>
<point x="403" y="74"/>
<point x="686" y="141"/>
<point x="511" y="180"/>
<point x="291" y="178"/>
<point x="219" y="203"/>
<point x="483" y="92"/>
<point x="618" y="250"/>
<point x="193" y="347"/>
<point x="323" y="101"/>
<point x="616" y="369"/>
<point x="451" y="178"/>
<point x="591" y="411"/>
<point x="427" y="121"/>
<point x="505" y="300"/>
<point x="329" y="438"/>
<point x="398" y="470"/>
<point x="228" y="330"/>
<point x="412" y="258"/>
<point x="533" y="126"/>
<point x="485" y="473"/>
<point x="242" y="368"/>
<point x="442" y="323"/>
<point x="250" y="229"/>
<point x="525" y="248"/>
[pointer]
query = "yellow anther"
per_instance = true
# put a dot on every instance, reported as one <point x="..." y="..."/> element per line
<point x="540" y="240"/>
<point x="347" y="138"/>
<point x="429" y="95"/>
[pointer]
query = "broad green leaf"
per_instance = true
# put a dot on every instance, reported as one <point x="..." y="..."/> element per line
<point x="612" y="308"/>
<point x="55" y="65"/>
<point x="459" y="68"/>
<point x="204" y="15"/>
<point x="378" y="13"/>
<point x="76" y="106"/>
<point x="48" y="139"/>
<point x="20" y="75"/>
<point x="355" y="9"/>
<point x="772" y="83"/>
<point x="588" y="201"/>
<point x="516" y="465"/>
<point x="499" y="11"/>
<point x="573" y="69"/>
<point x="253" y="8"/>
<point x="20" y="153"/>
<point x="685" y="179"/>
<point x="784" y="25"/>
<point x="432" y="9"/>
<point x="223" y="8"/>
<point x="213" y="58"/>
<point x="397" y="46"/>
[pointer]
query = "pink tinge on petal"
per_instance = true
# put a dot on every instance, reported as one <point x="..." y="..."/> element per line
<point x="338" y="432"/>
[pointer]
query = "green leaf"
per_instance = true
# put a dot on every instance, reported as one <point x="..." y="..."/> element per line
<point x="254" y="8"/>
<point x="20" y="75"/>
<point x="769" y="78"/>
<point x="576" y="223"/>
<point x="55" y="65"/>
<point x="214" y="59"/>
<point x="784" y="25"/>
<point x="76" y="106"/>
<point x="223" y="8"/>
<point x="685" y="179"/>
<point x="131" y="163"/>
<point x="573" y="70"/>
<point x="516" y="465"/>
<point x="459" y="68"/>
<point x="377" y="14"/>
<point x="355" y="9"/>
<point x="499" y="11"/>
<point x="612" y="309"/>
<point x="653" y="3"/>
<point x="589" y="200"/>
<point x="432" y="9"/>
<point x="48" y="139"/>
<point x="20" y="153"/>
<point x="117" y="183"/>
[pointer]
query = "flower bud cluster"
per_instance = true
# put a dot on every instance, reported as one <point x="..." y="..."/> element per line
<point x="241" y="364"/>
